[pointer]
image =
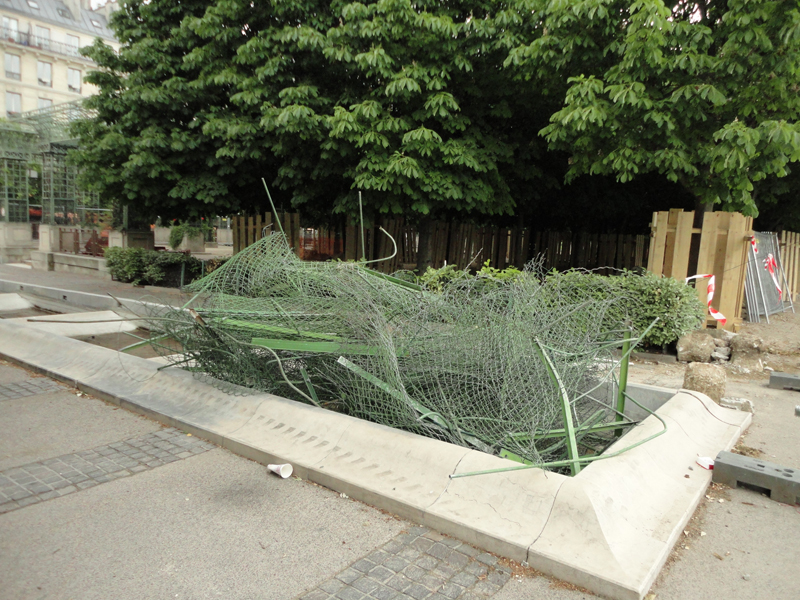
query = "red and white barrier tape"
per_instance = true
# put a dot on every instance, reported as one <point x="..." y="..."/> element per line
<point x="754" y="244"/>
<point x="710" y="291"/>
<point x="771" y="265"/>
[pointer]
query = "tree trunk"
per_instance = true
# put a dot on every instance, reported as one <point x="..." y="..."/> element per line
<point x="700" y="210"/>
<point x="425" y="248"/>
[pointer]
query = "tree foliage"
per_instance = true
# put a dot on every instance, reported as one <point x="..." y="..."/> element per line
<point x="406" y="101"/>
<point x="704" y="92"/>
<point x="437" y="108"/>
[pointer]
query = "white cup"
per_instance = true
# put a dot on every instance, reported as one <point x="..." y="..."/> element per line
<point x="281" y="470"/>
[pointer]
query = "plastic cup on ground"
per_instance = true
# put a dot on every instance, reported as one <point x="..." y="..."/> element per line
<point x="283" y="471"/>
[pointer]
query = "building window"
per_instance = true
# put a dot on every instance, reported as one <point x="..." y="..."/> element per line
<point x="63" y="12"/>
<point x="33" y="4"/>
<point x="45" y="74"/>
<point x="12" y="67"/>
<point x="97" y="23"/>
<point x="42" y="35"/>
<point x="45" y="103"/>
<point x="11" y="29"/>
<point x="13" y="103"/>
<point x="74" y="80"/>
<point x="73" y="41"/>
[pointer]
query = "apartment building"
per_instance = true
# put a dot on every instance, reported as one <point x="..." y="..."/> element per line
<point x="39" y="42"/>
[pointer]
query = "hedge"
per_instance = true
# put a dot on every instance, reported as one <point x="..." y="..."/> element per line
<point x="638" y="298"/>
<point x="139" y="266"/>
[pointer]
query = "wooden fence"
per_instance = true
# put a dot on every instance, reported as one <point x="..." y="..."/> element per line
<point x="790" y="258"/>
<point x="605" y="253"/>
<point x="452" y="243"/>
<point x="719" y="248"/>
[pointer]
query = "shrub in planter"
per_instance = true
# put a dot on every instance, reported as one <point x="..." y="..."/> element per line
<point x="177" y="233"/>
<point x="629" y="296"/>
<point x="640" y="299"/>
<point x="139" y="266"/>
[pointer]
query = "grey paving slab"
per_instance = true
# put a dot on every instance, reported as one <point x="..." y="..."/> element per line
<point x="12" y="374"/>
<point x="28" y="387"/>
<point x="62" y="475"/>
<point x="42" y="426"/>
<point x="409" y="567"/>
<point x="211" y="526"/>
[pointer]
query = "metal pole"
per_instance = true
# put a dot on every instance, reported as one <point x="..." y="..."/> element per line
<point x="783" y="272"/>
<point x="5" y="215"/>
<point x="760" y="287"/>
<point x="623" y="378"/>
<point x="272" y="204"/>
<point x="749" y="292"/>
<point x="361" y="213"/>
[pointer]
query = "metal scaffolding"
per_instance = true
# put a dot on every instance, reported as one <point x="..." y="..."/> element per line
<point x="37" y="179"/>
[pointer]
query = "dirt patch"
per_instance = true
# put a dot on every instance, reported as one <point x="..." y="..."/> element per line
<point x="781" y="336"/>
<point x="744" y="450"/>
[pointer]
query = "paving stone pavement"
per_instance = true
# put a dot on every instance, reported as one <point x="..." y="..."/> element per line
<point x="29" y="387"/>
<point x="419" y="564"/>
<point x="54" y="477"/>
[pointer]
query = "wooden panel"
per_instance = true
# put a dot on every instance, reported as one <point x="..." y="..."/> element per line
<point x="268" y="222"/>
<point x="258" y="232"/>
<point x="741" y="268"/>
<point x="683" y="243"/>
<point x="790" y="258"/>
<point x="723" y="222"/>
<point x="658" y="237"/>
<point x="669" y="248"/>
<point x="705" y="258"/>
<point x="728" y="279"/>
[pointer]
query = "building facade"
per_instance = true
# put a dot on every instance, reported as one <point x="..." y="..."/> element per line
<point x="39" y="41"/>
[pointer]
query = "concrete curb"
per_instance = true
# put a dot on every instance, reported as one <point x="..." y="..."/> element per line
<point x="610" y="529"/>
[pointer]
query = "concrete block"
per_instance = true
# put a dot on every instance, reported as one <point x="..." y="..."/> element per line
<point x="707" y="379"/>
<point x="194" y="244"/>
<point x="86" y="265"/>
<point x="784" y="381"/>
<point x="131" y="239"/>
<point x="9" y="302"/>
<point x="783" y="483"/>
<point x="43" y="261"/>
<point x="738" y="404"/>
<point x="696" y="346"/>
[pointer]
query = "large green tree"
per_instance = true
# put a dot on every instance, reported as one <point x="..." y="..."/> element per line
<point x="407" y="102"/>
<point x="148" y="145"/>
<point x="703" y="92"/>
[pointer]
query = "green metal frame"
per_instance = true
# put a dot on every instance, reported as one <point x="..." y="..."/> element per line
<point x="42" y="137"/>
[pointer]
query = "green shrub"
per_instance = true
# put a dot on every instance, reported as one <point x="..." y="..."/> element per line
<point x="629" y="296"/>
<point x="639" y="299"/>
<point x="126" y="264"/>
<point x="437" y="280"/>
<point x="139" y="266"/>
<point x="177" y="233"/>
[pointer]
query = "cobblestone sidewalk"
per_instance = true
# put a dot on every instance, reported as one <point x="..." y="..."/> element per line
<point x="419" y="564"/>
<point x="29" y="387"/>
<point x="54" y="477"/>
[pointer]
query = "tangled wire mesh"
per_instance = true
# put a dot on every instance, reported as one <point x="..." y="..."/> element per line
<point x="485" y="364"/>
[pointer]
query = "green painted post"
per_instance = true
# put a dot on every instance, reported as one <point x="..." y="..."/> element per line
<point x="566" y="410"/>
<point x="623" y="379"/>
